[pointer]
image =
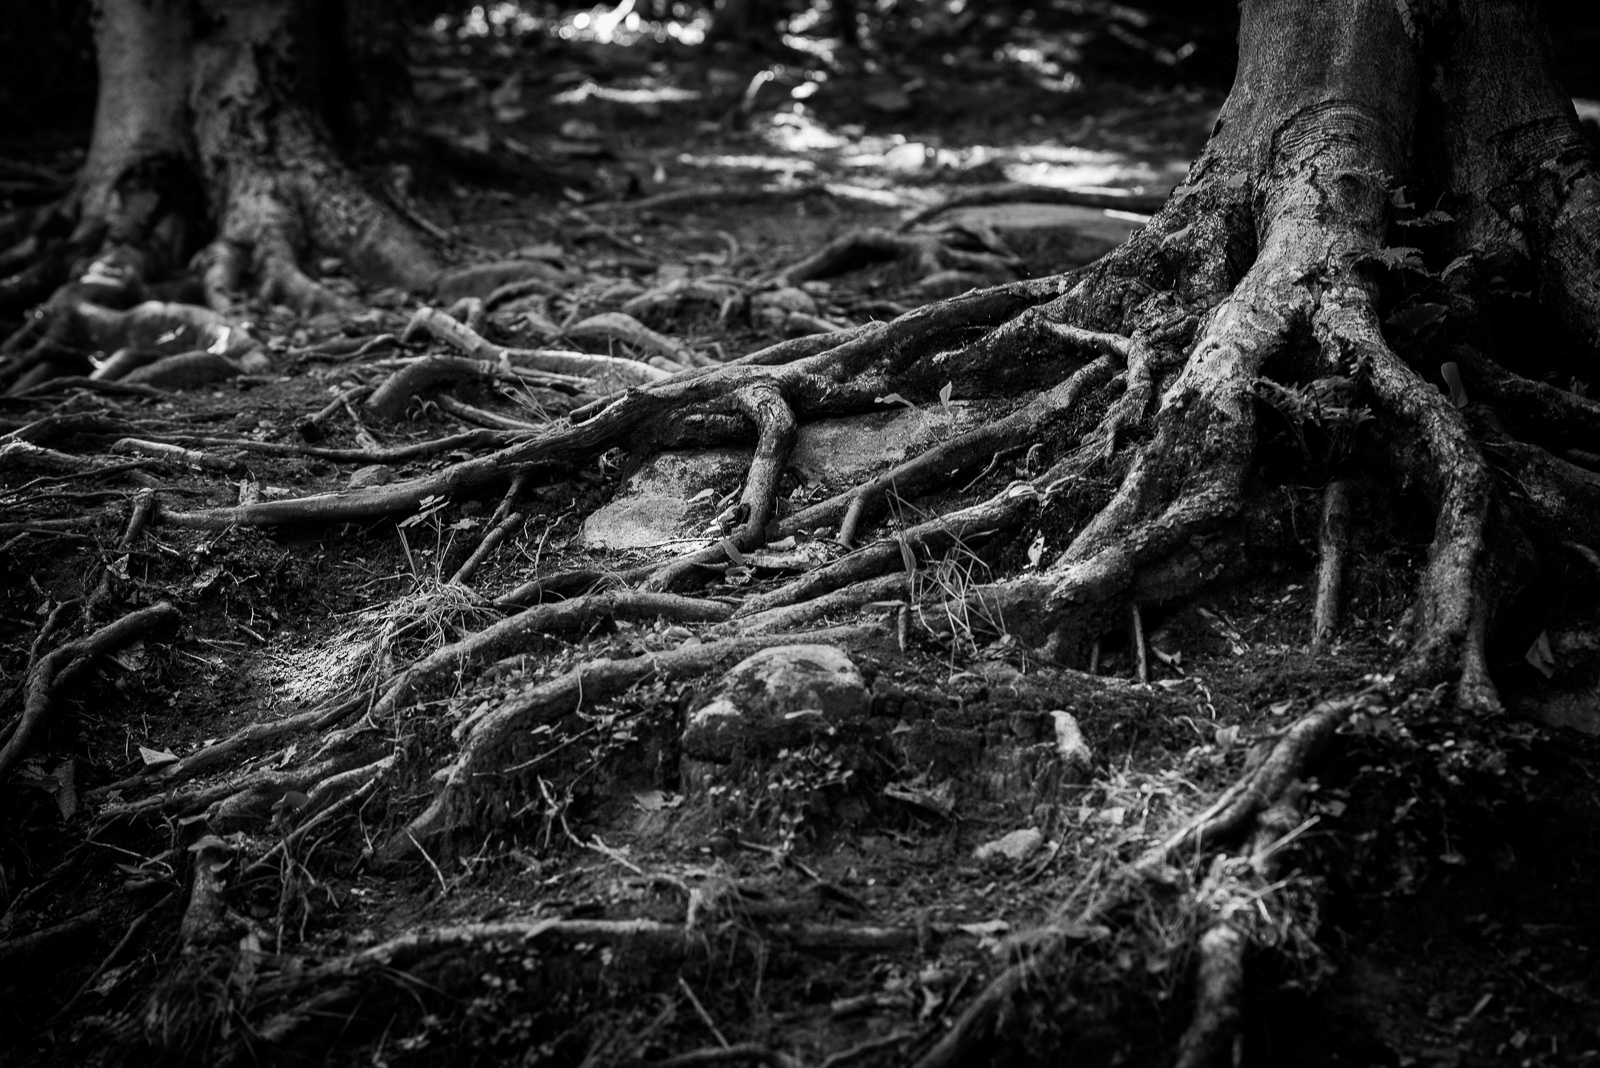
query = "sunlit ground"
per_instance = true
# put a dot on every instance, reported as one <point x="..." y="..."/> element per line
<point x="793" y="139"/>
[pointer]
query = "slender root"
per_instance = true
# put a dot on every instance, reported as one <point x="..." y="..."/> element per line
<point x="1334" y="542"/>
<point x="1456" y="597"/>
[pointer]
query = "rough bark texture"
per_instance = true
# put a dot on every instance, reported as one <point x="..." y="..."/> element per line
<point x="211" y="137"/>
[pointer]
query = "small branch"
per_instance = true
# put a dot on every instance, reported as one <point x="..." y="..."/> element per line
<point x="131" y="935"/>
<point x="1140" y="650"/>
<point x="243" y="740"/>
<point x="700" y="1010"/>
<point x="310" y="428"/>
<point x="490" y="542"/>
<point x="744" y="1051"/>
<point x="364" y="437"/>
<point x="481" y="417"/>
<point x="144" y="505"/>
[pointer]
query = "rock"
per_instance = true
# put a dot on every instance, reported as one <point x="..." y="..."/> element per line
<point x="845" y="451"/>
<point x="1014" y="847"/>
<point x="779" y="698"/>
<point x="1073" y="752"/>
<point x="371" y="475"/>
<point x="653" y="505"/>
<point x="785" y="299"/>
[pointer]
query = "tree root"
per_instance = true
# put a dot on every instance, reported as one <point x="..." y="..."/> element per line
<point x="58" y="667"/>
<point x="1001" y="512"/>
<point x="1232" y="814"/>
<point x="1333" y="544"/>
<point x="929" y="253"/>
<point x="1022" y="192"/>
<point x="483" y="738"/>
<point x="1455" y="601"/>
<point x="515" y="632"/>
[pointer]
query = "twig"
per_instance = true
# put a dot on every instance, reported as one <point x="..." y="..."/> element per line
<point x="871" y="1045"/>
<point x="444" y="888"/>
<point x="1140" y="650"/>
<point x="744" y="1051"/>
<point x="364" y="437"/>
<point x="144" y="503"/>
<point x="490" y="542"/>
<point x="700" y="1010"/>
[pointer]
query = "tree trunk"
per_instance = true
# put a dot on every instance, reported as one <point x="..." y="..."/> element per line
<point x="211" y="137"/>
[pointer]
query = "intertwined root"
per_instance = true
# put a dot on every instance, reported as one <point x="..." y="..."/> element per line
<point x="1140" y="380"/>
<point x="1164" y="402"/>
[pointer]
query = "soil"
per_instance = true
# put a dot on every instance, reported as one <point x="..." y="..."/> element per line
<point x="1443" y="885"/>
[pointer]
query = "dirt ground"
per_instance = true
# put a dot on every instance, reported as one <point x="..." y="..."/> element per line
<point x="1440" y="892"/>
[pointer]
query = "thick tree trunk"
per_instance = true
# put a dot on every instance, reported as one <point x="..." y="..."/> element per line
<point x="209" y="136"/>
<point x="277" y="188"/>
<point x="1344" y="114"/>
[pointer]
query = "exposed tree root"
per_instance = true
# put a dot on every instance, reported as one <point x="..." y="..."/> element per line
<point x="1221" y="947"/>
<point x="1333" y="544"/>
<point x="1022" y="192"/>
<point x="483" y="739"/>
<point x="57" y="667"/>
<point x="930" y="254"/>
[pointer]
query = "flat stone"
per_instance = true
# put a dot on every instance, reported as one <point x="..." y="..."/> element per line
<point x="779" y="698"/>
<point x="651" y="507"/>
<point x="1014" y="847"/>
<point x="842" y="451"/>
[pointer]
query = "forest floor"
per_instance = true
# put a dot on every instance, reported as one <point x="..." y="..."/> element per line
<point x="1445" y="878"/>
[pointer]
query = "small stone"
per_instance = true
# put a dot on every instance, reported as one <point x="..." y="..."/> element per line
<point x="1014" y="847"/>
<point x="371" y="475"/>
<point x="1071" y="749"/>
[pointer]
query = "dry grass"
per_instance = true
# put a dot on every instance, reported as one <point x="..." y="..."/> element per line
<point x="381" y="640"/>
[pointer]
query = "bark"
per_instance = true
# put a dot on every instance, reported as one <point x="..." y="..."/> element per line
<point x="212" y="136"/>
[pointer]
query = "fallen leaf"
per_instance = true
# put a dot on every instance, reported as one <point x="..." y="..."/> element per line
<point x="157" y="758"/>
<point x="1540" y="655"/>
